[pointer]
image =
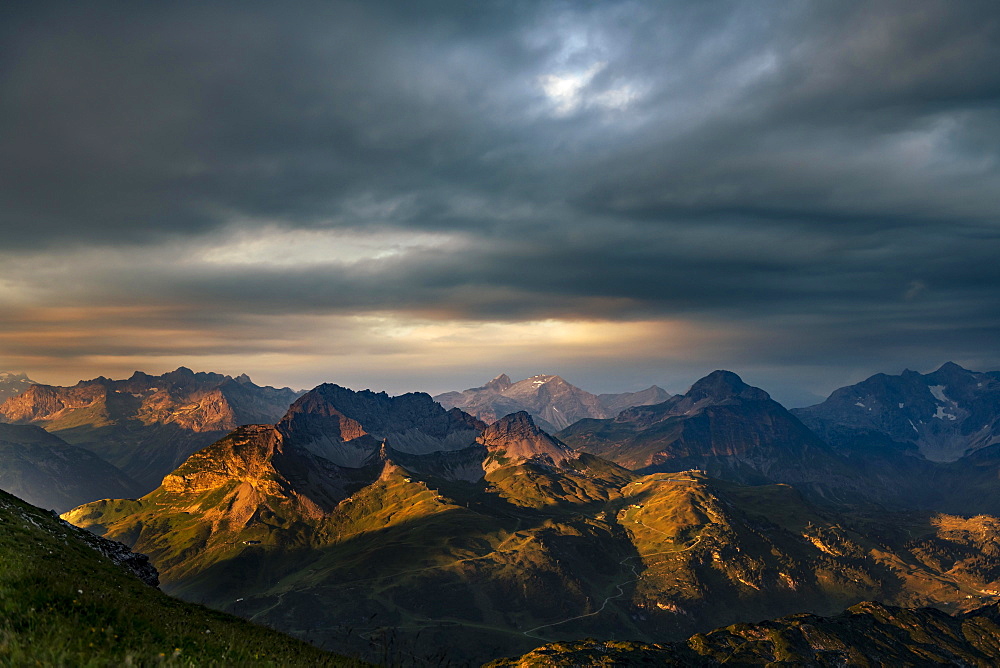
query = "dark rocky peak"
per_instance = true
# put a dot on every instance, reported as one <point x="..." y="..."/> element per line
<point x="945" y="414"/>
<point x="515" y="425"/>
<point x="243" y="379"/>
<point x="717" y="389"/>
<point x="724" y="386"/>
<point x="330" y="414"/>
<point x="376" y="410"/>
<point x="460" y="417"/>
<point x="950" y="368"/>
<point x="953" y="376"/>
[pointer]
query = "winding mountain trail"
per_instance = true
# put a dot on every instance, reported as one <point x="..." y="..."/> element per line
<point x="620" y="587"/>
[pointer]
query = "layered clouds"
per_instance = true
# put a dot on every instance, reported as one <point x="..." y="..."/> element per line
<point x="419" y="196"/>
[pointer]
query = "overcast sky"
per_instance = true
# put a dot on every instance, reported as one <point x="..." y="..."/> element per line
<point x="404" y="195"/>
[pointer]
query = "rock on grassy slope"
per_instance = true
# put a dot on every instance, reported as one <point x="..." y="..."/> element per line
<point x="68" y="598"/>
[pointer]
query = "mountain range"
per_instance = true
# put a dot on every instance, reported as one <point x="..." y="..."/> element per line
<point x="552" y="402"/>
<point x="397" y="526"/>
<point x="358" y="515"/>
<point x="147" y="425"/>
<point x="721" y="425"/>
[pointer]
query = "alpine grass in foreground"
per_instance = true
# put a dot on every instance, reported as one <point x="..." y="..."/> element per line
<point x="62" y="603"/>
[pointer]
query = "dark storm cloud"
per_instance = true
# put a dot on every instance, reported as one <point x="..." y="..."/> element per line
<point x="830" y="168"/>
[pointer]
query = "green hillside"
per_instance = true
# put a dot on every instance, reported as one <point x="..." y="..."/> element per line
<point x="64" y="604"/>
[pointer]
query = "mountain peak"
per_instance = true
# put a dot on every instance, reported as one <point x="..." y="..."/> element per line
<point x="516" y="436"/>
<point x="500" y="383"/>
<point x="950" y="368"/>
<point x="723" y="385"/>
<point x="347" y="427"/>
<point x="520" y="422"/>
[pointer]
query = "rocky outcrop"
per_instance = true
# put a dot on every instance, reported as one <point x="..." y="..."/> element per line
<point x="515" y="438"/>
<point x="16" y="514"/>
<point x="866" y="634"/>
<point x="129" y="561"/>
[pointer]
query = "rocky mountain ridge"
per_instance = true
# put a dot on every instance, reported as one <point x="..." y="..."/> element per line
<point x="866" y="634"/>
<point x="941" y="416"/>
<point x="147" y="425"/>
<point x="721" y="425"/>
<point x="552" y="402"/>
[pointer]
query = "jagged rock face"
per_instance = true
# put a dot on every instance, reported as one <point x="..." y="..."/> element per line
<point x="265" y="471"/>
<point x="942" y="415"/>
<point x="552" y="402"/>
<point x="195" y="401"/>
<point x="515" y="438"/>
<point x="13" y="384"/>
<point x="45" y="471"/>
<point x="348" y="427"/>
<point x="721" y="425"/>
<point x="147" y="425"/>
<point x="866" y="634"/>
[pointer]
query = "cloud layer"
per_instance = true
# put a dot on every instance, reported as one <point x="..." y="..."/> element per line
<point x="802" y="192"/>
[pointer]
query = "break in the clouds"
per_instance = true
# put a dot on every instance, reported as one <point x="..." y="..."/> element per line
<point x="415" y="195"/>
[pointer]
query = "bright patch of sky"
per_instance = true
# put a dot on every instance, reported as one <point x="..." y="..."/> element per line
<point x="279" y="247"/>
<point x="571" y="91"/>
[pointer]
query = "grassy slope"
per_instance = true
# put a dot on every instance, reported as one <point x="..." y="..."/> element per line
<point x="63" y="604"/>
